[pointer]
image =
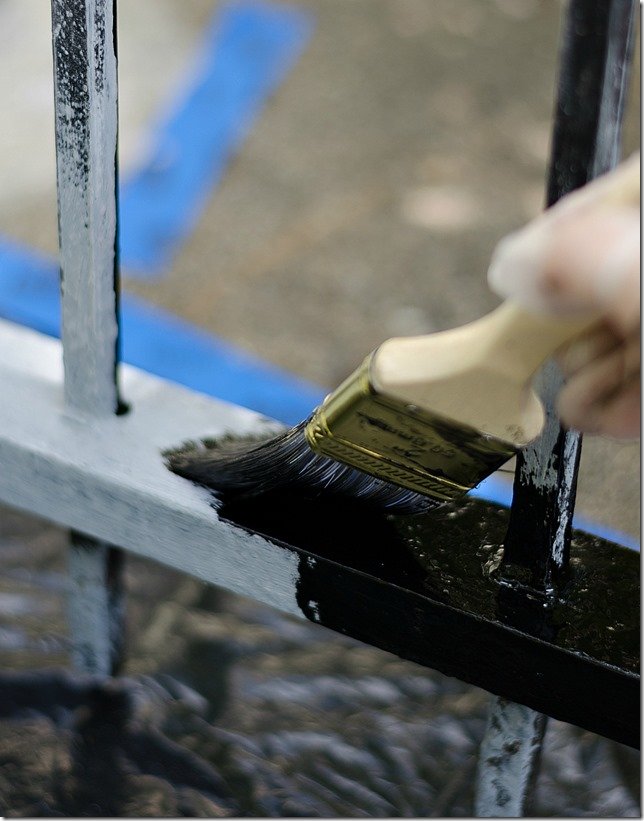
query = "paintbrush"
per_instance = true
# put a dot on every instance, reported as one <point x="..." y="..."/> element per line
<point x="422" y="421"/>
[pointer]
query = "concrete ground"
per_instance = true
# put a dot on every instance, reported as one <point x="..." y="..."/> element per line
<point x="409" y="138"/>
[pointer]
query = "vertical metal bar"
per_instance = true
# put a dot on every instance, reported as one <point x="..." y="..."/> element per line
<point x="593" y="75"/>
<point x="595" y="62"/>
<point x="85" y="96"/>
<point x="86" y="134"/>
<point x="508" y="759"/>
<point x="96" y="605"/>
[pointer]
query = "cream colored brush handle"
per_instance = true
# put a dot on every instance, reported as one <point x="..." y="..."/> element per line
<point x="519" y="341"/>
<point x="478" y="375"/>
<point x="508" y="340"/>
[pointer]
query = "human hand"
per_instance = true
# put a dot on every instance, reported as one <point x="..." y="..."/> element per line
<point x="583" y="256"/>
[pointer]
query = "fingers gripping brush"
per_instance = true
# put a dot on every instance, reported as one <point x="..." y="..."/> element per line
<point x="422" y="421"/>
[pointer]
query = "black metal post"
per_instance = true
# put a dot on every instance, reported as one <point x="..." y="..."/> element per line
<point x="594" y="65"/>
<point x="594" y="68"/>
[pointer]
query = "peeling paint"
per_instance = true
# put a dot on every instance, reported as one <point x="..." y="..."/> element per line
<point x="85" y="99"/>
<point x="507" y="759"/>
<point x="85" y="90"/>
<point x="539" y="466"/>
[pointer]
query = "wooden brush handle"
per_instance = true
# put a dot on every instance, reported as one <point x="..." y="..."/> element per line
<point x="478" y="375"/>
<point x="519" y="341"/>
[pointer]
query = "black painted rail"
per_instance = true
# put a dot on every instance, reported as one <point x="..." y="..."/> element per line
<point x="429" y="589"/>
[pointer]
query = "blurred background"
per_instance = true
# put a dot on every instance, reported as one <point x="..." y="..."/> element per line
<point x="299" y="182"/>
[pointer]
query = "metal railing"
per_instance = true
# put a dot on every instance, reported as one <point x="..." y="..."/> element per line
<point x="74" y="453"/>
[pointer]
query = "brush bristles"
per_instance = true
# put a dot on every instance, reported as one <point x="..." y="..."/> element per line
<point x="248" y="467"/>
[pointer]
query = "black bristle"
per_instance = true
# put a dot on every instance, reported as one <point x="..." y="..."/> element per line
<point x="249" y="467"/>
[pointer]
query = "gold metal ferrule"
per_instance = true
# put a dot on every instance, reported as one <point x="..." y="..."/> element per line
<point x="401" y="443"/>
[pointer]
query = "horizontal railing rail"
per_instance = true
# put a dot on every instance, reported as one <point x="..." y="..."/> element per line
<point x="358" y="574"/>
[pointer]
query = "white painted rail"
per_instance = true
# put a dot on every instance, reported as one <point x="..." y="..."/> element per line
<point x="106" y="476"/>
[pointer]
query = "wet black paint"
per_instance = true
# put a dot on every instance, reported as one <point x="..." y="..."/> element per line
<point x="428" y="588"/>
<point x="452" y="556"/>
<point x="339" y="531"/>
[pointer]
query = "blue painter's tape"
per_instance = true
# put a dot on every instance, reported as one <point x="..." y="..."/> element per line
<point x="29" y="290"/>
<point x="171" y="348"/>
<point x="159" y="343"/>
<point x="499" y="490"/>
<point x="248" y="50"/>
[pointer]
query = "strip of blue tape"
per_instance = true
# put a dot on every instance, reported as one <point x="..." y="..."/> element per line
<point x="499" y="490"/>
<point x="171" y="348"/>
<point x="247" y="51"/>
<point x="158" y="342"/>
